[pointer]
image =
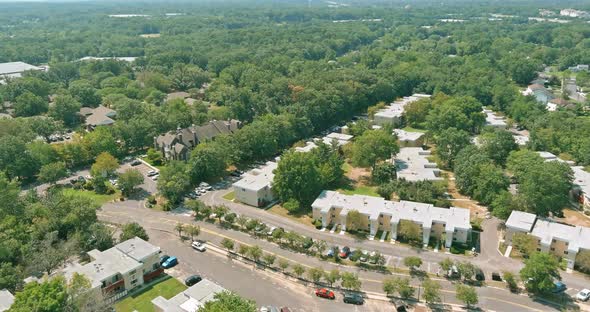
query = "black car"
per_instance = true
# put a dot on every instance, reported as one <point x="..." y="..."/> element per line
<point x="479" y="276"/>
<point x="135" y="163"/>
<point x="496" y="276"/>
<point x="353" y="298"/>
<point x="193" y="279"/>
<point x="164" y="258"/>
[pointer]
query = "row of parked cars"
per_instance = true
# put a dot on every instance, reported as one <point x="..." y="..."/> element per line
<point x="348" y="297"/>
<point x="200" y="190"/>
<point x="346" y="252"/>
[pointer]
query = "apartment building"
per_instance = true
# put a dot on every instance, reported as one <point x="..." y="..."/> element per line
<point x="450" y="224"/>
<point x="255" y="188"/>
<point x="115" y="271"/>
<point x="392" y="114"/>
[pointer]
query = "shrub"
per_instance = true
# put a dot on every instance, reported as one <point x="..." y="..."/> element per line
<point x="318" y="224"/>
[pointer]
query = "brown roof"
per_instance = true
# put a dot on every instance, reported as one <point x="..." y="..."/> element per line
<point x="536" y="86"/>
<point x="560" y="102"/>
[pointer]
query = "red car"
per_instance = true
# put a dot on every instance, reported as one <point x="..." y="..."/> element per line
<point x="325" y="293"/>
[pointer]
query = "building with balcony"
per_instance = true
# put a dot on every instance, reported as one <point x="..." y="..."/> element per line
<point x="448" y="224"/>
<point x="255" y="187"/>
<point x="115" y="271"/>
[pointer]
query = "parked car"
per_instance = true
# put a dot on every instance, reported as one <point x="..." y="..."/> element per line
<point x="271" y="230"/>
<point x="331" y="251"/>
<point x="193" y="279"/>
<point x="354" y="298"/>
<point x="155" y="178"/>
<point x="152" y="173"/>
<point x="199" y="246"/>
<point x="364" y="256"/>
<point x="479" y="276"/>
<point x="135" y="163"/>
<point x="453" y="272"/>
<point x="372" y="257"/>
<point x="285" y="309"/>
<point x="325" y="293"/>
<point x="583" y="295"/>
<point x="170" y="262"/>
<point x="559" y="287"/>
<point x="496" y="276"/>
<point x="269" y="309"/>
<point x="163" y="259"/>
<point x="344" y="252"/>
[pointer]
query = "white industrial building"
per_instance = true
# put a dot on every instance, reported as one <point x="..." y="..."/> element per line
<point x="450" y="224"/>
<point x="255" y="188"/>
<point x="15" y="70"/>
<point x="413" y="165"/>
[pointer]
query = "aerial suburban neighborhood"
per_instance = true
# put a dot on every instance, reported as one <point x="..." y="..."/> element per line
<point x="278" y="156"/>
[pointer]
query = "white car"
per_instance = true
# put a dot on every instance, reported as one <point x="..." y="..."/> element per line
<point x="155" y="178"/>
<point x="199" y="246"/>
<point x="583" y="295"/>
<point x="152" y="173"/>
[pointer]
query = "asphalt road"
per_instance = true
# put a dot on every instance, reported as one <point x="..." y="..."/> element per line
<point x="494" y="297"/>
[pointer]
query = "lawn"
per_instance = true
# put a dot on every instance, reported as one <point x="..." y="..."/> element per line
<point x="142" y="301"/>
<point x="360" y="190"/>
<point x="230" y="196"/>
<point x="301" y="217"/>
<point x="101" y="199"/>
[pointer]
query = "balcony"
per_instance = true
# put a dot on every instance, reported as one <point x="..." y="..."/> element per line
<point x="113" y="288"/>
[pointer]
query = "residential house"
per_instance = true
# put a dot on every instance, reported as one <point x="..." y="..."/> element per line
<point x="255" y="188"/>
<point x="556" y="103"/>
<point x="6" y="300"/>
<point x="392" y="114"/>
<point x="189" y="300"/>
<point x="541" y="94"/>
<point x="409" y="138"/>
<point x="307" y="148"/>
<point x="176" y="145"/>
<point x="562" y="240"/>
<point x="118" y="270"/>
<point x="340" y="139"/>
<point x="547" y="156"/>
<point x="15" y="70"/>
<point x="573" y="13"/>
<point x="99" y="116"/>
<point x="413" y="165"/>
<point x="448" y="224"/>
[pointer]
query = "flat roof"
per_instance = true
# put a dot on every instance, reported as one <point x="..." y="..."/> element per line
<point x="339" y="136"/>
<point x="520" y="139"/>
<point x="413" y="165"/>
<point x="521" y="220"/>
<point x="404" y="135"/>
<point x="373" y="207"/>
<point x="191" y="299"/>
<point x="493" y="120"/>
<point x="575" y="236"/>
<point x="307" y="148"/>
<point x="137" y="248"/>
<point x="258" y="179"/>
<point x="396" y="109"/>
<point x="16" y="67"/>
<point x="6" y="300"/>
<point x="582" y="179"/>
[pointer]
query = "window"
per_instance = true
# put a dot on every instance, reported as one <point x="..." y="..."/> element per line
<point x="553" y="240"/>
<point x="552" y="248"/>
<point x="133" y="282"/>
<point x="538" y="249"/>
<point x="565" y="252"/>
<point x="156" y="266"/>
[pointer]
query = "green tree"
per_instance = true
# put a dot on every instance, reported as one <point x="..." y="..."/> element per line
<point x="383" y="173"/>
<point x="410" y="231"/>
<point x="431" y="291"/>
<point x="85" y="93"/>
<point x="229" y="302"/>
<point x="131" y="230"/>
<point x="448" y="144"/>
<point x="10" y="276"/>
<point x="503" y="205"/>
<point x="104" y="165"/>
<point x="179" y="227"/>
<point x="255" y="252"/>
<point x="466" y="270"/>
<point x="415" y="113"/>
<point x="353" y="220"/>
<point x="283" y="264"/>
<point x="350" y="281"/>
<point x="298" y="269"/>
<point x="297" y="177"/>
<point x="497" y="145"/>
<point x="413" y="263"/>
<point x="174" y="181"/>
<point x="192" y="231"/>
<point x="129" y="180"/>
<point x="332" y="276"/>
<point x="48" y="296"/>
<point x="446" y="264"/>
<point x="524" y="243"/>
<point x="511" y="281"/>
<point x="66" y="109"/>
<point x="53" y="172"/>
<point x="269" y="259"/>
<point x="373" y="146"/>
<point x="315" y="274"/>
<point x="29" y="104"/>
<point x="467" y="294"/>
<point x="227" y="244"/>
<point x="206" y="163"/>
<point x="540" y="271"/>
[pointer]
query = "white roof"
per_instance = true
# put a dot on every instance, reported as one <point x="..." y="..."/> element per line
<point x="521" y="139"/>
<point x="16" y="68"/>
<point x="396" y="109"/>
<point x="412" y="164"/>
<point x="339" y="136"/>
<point x="575" y="236"/>
<point x="408" y="136"/>
<point x="258" y="179"/>
<point x="191" y="299"/>
<point x="307" y="148"/>
<point x="6" y="300"/>
<point x="582" y="179"/>
<point x="547" y="156"/>
<point x="129" y="59"/>
<point x="493" y="120"/>
<point x="137" y="248"/>
<point x="372" y="207"/>
<point x="521" y="220"/>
